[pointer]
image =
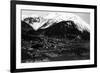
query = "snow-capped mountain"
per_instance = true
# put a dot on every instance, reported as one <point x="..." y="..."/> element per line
<point x="60" y="25"/>
<point x="56" y="18"/>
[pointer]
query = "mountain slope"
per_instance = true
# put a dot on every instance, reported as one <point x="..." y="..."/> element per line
<point x="63" y="29"/>
<point x="43" y="22"/>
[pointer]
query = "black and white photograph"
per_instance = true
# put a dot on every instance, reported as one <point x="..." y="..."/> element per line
<point x="51" y="36"/>
<point x="54" y="36"/>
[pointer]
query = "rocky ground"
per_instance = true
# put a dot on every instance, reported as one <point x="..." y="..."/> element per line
<point x="44" y="49"/>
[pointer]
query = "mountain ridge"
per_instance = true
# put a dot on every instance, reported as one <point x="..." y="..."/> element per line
<point x="63" y="29"/>
<point x="39" y="21"/>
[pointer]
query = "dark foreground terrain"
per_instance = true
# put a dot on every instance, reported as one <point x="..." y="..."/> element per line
<point x="51" y="49"/>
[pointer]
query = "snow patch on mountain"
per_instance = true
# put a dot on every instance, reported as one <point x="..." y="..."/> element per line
<point x="56" y="17"/>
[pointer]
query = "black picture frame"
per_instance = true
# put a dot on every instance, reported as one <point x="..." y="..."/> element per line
<point x="13" y="35"/>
